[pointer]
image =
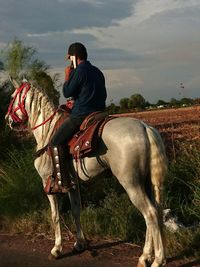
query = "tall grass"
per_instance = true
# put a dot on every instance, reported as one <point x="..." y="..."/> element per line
<point x="184" y="242"/>
<point x="182" y="187"/>
<point x="107" y="211"/>
<point x="20" y="186"/>
<point x="115" y="217"/>
<point x="182" y="195"/>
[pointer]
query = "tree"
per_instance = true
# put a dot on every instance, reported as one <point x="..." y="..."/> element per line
<point x="137" y="101"/>
<point x="124" y="104"/>
<point x="45" y="81"/>
<point x="113" y="109"/>
<point x="18" y="58"/>
<point x="20" y="62"/>
<point x="186" y="101"/>
<point x="197" y="101"/>
<point x="147" y="104"/>
<point x="161" y="103"/>
<point x="1" y="66"/>
<point x="174" y="102"/>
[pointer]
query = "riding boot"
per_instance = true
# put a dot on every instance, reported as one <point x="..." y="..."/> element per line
<point x="60" y="181"/>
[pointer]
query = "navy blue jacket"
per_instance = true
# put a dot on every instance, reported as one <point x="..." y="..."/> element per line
<point x="87" y="86"/>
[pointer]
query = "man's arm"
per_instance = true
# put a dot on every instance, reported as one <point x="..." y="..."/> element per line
<point x="68" y="71"/>
<point x="72" y="82"/>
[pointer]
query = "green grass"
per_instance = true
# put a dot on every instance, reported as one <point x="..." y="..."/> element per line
<point x="185" y="242"/>
<point x="30" y="223"/>
<point x="115" y="217"/>
<point x="182" y="186"/>
<point x="20" y="186"/>
<point x="107" y="211"/>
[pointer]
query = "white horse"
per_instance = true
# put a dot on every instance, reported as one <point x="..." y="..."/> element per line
<point x="132" y="150"/>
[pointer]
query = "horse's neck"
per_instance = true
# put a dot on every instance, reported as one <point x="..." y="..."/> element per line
<point x="39" y="109"/>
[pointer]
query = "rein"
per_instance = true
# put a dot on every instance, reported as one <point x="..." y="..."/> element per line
<point x="42" y="123"/>
<point x="21" y="106"/>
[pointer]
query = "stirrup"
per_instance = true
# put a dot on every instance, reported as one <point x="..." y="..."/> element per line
<point x="52" y="187"/>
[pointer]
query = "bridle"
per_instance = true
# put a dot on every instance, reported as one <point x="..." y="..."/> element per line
<point x="21" y="92"/>
<point x="21" y="104"/>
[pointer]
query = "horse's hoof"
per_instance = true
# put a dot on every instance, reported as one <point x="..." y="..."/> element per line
<point x="159" y="265"/>
<point x="144" y="263"/>
<point x="57" y="254"/>
<point x="79" y="247"/>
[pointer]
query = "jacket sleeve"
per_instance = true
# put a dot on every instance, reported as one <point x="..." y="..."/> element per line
<point x="72" y="86"/>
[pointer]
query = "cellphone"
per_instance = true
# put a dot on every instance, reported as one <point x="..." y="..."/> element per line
<point x="74" y="61"/>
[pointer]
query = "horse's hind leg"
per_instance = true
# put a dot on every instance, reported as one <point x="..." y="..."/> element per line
<point x="56" y="250"/>
<point x="148" y="247"/>
<point x="153" y="234"/>
<point x="74" y="196"/>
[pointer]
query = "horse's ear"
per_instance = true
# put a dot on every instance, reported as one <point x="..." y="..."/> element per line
<point x="14" y="82"/>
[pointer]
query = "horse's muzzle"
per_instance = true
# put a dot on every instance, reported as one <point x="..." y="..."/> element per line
<point x="13" y="125"/>
<point x="8" y="120"/>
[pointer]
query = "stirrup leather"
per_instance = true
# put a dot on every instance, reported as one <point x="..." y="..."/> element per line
<point x="56" y="163"/>
<point x="59" y="182"/>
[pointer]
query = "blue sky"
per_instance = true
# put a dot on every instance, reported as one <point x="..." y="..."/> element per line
<point x="142" y="46"/>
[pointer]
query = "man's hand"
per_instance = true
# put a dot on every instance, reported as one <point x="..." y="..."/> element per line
<point x="68" y="71"/>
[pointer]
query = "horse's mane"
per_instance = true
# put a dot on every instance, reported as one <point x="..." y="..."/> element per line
<point x="40" y="103"/>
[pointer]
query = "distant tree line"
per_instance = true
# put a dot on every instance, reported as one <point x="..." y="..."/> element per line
<point x="20" y="61"/>
<point x="138" y="103"/>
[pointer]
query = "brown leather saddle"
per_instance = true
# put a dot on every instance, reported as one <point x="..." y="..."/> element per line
<point x="85" y="141"/>
<point x="81" y="144"/>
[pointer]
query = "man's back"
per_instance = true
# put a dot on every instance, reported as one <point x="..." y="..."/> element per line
<point x="87" y="86"/>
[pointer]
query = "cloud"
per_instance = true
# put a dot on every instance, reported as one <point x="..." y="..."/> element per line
<point x="117" y="80"/>
<point x="36" y="17"/>
<point x="3" y="45"/>
<point x="145" y="9"/>
<point x="145" y="45"/>
<point x="151" y="22"/>
<point x="193" y="83"/>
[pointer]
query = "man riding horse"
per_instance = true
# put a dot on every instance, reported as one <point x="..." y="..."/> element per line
<point x="131" y="149"/>
<point x="84" y="83"/>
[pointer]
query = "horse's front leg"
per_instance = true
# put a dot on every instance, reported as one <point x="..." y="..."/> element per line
<point x="75" y="200"/>
<point x="43" y="165"/>
<point x="56" y="250"/>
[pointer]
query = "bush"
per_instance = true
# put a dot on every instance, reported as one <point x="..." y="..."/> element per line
<point x="20" y="185"/>
<point x="182" y="187"/>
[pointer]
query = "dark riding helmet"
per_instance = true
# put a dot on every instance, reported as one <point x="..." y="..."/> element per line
<point x="77" y="49"/>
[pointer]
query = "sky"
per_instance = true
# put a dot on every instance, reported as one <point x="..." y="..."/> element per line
<point x="147" y="47"/>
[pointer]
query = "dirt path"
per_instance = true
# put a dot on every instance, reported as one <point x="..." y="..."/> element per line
<point x="29" y="251"/>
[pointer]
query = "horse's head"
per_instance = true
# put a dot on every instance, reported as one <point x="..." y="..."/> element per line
<point x="17" y="116"/>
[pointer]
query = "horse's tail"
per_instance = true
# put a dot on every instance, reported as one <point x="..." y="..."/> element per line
<point x="158" y="162"/>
